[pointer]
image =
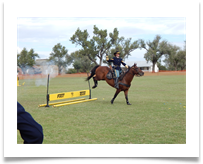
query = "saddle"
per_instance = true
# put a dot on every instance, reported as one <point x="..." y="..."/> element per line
<point x="111" y="74"/>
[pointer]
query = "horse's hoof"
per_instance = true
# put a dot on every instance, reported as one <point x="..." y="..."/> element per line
<point x="111" y="102"/>
<point x="129" y="103"/>
<point x="94" y="87"/>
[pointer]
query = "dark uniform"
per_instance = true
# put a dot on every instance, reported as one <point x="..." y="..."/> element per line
<point x="30" y="131"/>
<point x="117" y="66"/>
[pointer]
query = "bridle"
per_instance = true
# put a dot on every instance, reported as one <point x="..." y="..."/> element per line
<point x="133" y="72"/>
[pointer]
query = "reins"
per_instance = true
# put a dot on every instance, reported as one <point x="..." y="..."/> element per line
<point x="124" y="76"/>
<point x="131" y="73"/>
<point x="134" y="73"/>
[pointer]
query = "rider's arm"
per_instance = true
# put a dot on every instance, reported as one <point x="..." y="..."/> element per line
<point x="124" y="64"/>
<point x="109" y="60"/>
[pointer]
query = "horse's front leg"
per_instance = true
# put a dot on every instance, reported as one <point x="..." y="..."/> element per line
<point x="126" y="97"/>
<point x="115" y="95"/>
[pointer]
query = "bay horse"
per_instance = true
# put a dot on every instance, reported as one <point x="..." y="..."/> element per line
<point x="99" y="73"/>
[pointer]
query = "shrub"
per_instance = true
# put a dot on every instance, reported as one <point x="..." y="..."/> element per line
<point x="71" y="70"/>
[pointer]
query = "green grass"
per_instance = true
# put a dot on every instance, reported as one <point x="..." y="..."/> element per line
<point x="157" y="114"/>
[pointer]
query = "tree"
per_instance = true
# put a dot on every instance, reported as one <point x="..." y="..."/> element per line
<point x="73" y="56"/>
<point x="160" y="66"/>
<point x="177" y="58"/>
<point x="155" y="49"/>
<point x="97" y="46"/>
<point x="26" y="59"/>
<point x="77" y="65"/>
<point x="125" y="47"/>
<point x="58" y="55"/>
<point x="85" y="63"/>
<point x="182" y="62"/>
<point x="32" y="57"/>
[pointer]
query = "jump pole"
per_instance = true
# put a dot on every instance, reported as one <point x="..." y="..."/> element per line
<point x="61" y="102"/>
<point x="75" y="102"/>
<point x="89" y="88"/>
<point x="47" y="105"/>
<point x="18" y="82"/>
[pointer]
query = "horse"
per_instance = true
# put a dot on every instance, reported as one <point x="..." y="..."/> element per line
<point x="99" y="73"/>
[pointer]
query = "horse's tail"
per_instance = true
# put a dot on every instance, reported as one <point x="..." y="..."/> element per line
<point x="92" y="72"/>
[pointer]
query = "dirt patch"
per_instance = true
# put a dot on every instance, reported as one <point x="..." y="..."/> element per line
<point x="163" y="73"/>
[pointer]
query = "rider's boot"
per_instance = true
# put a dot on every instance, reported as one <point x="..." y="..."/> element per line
<point x="116" y="83"/>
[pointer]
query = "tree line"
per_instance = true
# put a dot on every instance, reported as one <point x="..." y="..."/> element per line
<point x="100" y="44"/>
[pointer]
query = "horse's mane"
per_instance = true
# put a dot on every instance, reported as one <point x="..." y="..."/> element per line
<point x="123" y="75"/>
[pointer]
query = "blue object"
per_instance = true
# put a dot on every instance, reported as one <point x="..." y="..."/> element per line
<point x="30" y="131"/>
<point x="117" y="73"/>
<point x="117" y="62"/>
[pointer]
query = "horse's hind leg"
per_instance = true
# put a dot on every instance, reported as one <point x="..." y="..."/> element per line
<point x="95" y="82"/>
<point x="115" y="95"/>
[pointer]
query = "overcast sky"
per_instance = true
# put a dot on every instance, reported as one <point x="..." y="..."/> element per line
<point x="42" y="34"/>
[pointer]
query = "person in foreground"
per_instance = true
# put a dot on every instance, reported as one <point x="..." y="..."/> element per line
<point x="30" y="131"/>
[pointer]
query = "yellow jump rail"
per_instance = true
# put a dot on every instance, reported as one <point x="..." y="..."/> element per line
<point x="66" y="95"/>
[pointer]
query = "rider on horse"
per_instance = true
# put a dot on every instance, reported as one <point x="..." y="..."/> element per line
<point x="116" y="62"/>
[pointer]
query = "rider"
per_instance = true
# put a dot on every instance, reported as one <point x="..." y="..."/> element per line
<point x="116" y="62"/>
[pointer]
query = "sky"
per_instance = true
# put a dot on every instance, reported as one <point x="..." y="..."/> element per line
<point x="43" y="33"/>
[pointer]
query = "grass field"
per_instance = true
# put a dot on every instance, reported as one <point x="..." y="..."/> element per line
<point x="157" y="114"/>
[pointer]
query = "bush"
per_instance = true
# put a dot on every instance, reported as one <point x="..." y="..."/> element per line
<point x="71" y="70"/>
<point x="161" y="67"/>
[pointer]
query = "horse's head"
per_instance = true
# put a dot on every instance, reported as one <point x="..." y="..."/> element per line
<point x="137" y="71"/>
